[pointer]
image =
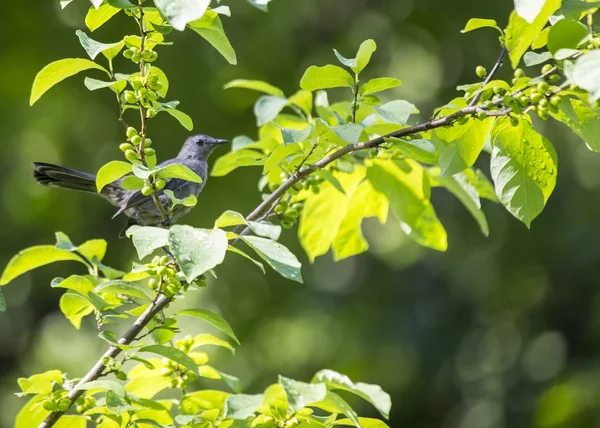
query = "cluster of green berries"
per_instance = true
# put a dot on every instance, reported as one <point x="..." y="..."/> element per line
<point x="164" y="276"/>
<point x="542" y="96"/>
<point x="271" y="422"/>
<point x="137" y="145"/>
<point x="144" y="92"/>
<point x="57" y="401"/>
<point x="136" y="55"/>
<point x="84" y="404"/>
<point x="114" y="366"/>
<point x="289" y="213"/>
<point x="180" y="375"/>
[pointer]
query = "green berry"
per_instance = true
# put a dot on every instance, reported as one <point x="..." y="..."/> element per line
<point x="315" y="189"/>
<point x="64" y="404"/>
<point x="160" y="184"/>
<point x="121" y="375"/>
<point x="149" y="152"/>
<point x="81" y="409"/>
<point x="524" y="100"/>
<point x="514" y="121"/>
<point x="481" y="115"/>
<point x="147" y="191"/>
<point x="542" y="112"/>
<point x="544" y="103"/>
<point x="136" y="57"/>
<point x="536" y="97"/>
<point x="125" y="146"/>
<point x="130" y="97"/>
<point x="136" y="140"/>
<point x="50" y="406"/>
<point x="488" y="105"/>
<point x="546" y="68"/>
<point x="553" y="78"/>
<point x="515" y="81"/>
<point x="374" y="152"/>
<point x="480" y="71"/>
<point x="153" y="283"/>
<point x="147" y="142"/>
<point x="519" y="73"/>
<point x="131" y="132"/>
<point x="161" y="270"/>
<point x="555" y="100"/>
<point x="543" y="87"/>
<point x="156" y="86"/>
<point x="499" y="90"/>
<point x="131" y="156"/>
<point x="164" y="259"/>
<point x="151" y="112"/>
<point x="287" y="224"/>
<point x="298" y="206"/>
<point x="508" y="100"/>
<point x="292" y="214"/>
<point x="128" y="53"/>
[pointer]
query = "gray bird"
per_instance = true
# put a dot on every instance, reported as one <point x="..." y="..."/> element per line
<point x="140" y="209"/>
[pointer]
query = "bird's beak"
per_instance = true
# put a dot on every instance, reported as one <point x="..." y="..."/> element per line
<point x="221" y="141"/>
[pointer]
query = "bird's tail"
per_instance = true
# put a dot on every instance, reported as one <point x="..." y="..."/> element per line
<point x="65" y="178"/>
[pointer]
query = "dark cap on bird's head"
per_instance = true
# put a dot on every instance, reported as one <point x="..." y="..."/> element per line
<point x="199" y="147"/>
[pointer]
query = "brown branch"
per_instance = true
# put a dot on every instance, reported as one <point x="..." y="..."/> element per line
<point x="490" y="76"/>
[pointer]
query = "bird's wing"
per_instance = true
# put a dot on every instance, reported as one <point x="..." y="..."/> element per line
<point x="138" y="198"/>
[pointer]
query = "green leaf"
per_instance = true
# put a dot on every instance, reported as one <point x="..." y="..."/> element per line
<point x="212" y="318"/>
<point x="42" y="383"/>
<point x="111" y="172"/>
<point x="407" y="188"/>
<point x="197" y="250"/>
<point x="188" y="201"/>
<point x="333" y="403"/>
<point x="246" y="256"/>
<point x="464" y="186"/>
<point x="377" y="85"/>
<point x="96" y="18"/>
<point x="242" y="406"/>
<point x="329" y="76"/>
<point x="176" y="170"/>
<point x="58" y="71"/>
<point x="34" y="257"/>
<point x="180" y="12"/>
<point x="185" y="120"/>
<point x="233" y="160"/>
<point x="528" y="9"/>
<point x="372" y="393"/>
<point x="459" y="146"/>
<point x="256" y="85"/>
<point x="147" y="239"/>
<point x="524" y="169"/>
<point x="75" y="307"/>
<point x="32" y="414"/>
<point x="534" y="58"/>
<point x="267" y="108"/>
<point x="209" y="339"/>
<point x="95" y="84"/>
<point x="520" y="33"/>
<point x="172" y="354"/>
<point x="396" y="111"/>
<point x="476" y="23"/>
<point x="230" y="218"/>
<point x="211" y="29"/>
<point x="419" y="150"/>
<point x="586" y="74"/>
<point x="71" y="421"/>
<point x="300" y="394"/>
<point x="76" y="283"/>
<point x="92" y="47"/>
<point x="132" y="182"/>
<point x="105" y="385"/>
<point x="574" y="8"/>
<point x="583" y="121"/>
<point x="291" y="136"/>
<point x="323" y="213"/>
<point x="124" y="287"/>
<point x="2" y="302"/>
<point x="364" y="203"/>
<point x="363" y="57"/>
<point x="566" y="34"/>
<point x="277" y="256"/>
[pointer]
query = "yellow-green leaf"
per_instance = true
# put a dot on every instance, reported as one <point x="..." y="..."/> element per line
<point x="58" y="71"/>
<point x="95" y="18"/>
<point x="111" y="172"/>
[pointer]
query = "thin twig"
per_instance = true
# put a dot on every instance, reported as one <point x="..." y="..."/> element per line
<point x="490" y="76"/>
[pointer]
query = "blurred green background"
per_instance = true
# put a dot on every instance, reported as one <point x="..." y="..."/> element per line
<point x="497" y="332"/>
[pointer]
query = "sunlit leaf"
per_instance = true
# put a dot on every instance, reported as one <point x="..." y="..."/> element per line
<point x="212" y="318"/>
<point x="277" y="256"/>
<point x="329" y="76"/>
<point x="300" y="394"/>
<point x="111" y="172"/>
<point x="255" y="85"/>
<point x="583" y="121"/>
<point x="147" y="239"/>
<point x="172" y="354"/>
<point x="476" y="23"/>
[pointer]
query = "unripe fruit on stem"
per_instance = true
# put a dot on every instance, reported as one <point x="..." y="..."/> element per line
<point x="553" y="78"/>
<point x="131" y="132"/>
<point x="519" y="73"/>
<point x="542" y="112"/>
<point x="481" y="115"/>
<point x="164" y="259"/>
<point x="514" y="121"/>
<point x="131" y="156"/>
<point x="515" y="80"/>
<point x="480" y="71"/>
<point x="136" y="140"/>
<point x="151" y="112"/>
<point x="128" y="53"/>
<point x="153" y="283"/>
<point x="555" y="100"/>
<point x="149" y="152"/>
<point x="50" y="406"/>
<point x="374" y="152"/>
<point x="292" y="214"/>
<point x="546" y="68"/>
<point x="544" y="103"/>
<point x="298" y="206"/>
<point x="64" y="404"/>
<point x="125" y="146"/>
<point x="147" y="142"/>
<point x="488" y="105"/>
<point x="287" y="224"/>
<point x="157" y="86"/>
<point x="543" y="87"/>
<point x="498" y="90"/>
<point x="536" y="98"/>
<point x="130" y="97"/>
<point x="523" y="100"/>
<point x="147" y="190"/>
<point x="160" y="184"/>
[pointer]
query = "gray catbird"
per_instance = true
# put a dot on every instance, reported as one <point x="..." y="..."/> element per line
<point x="140" y="209"/>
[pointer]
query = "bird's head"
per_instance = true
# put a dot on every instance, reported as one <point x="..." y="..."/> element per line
<point x="199" y="147"/>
